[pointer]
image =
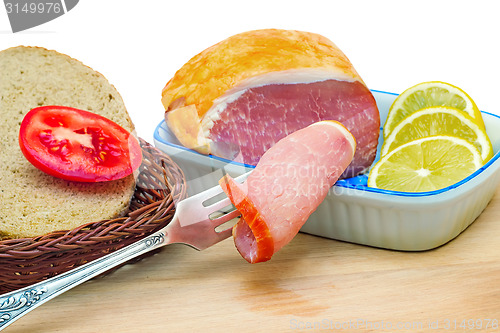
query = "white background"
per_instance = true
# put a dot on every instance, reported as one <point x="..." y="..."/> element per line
<point x="138" y="45"/>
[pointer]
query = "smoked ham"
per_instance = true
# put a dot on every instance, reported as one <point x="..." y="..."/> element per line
<point x="290" y="181"/>
<point x="239" y="97"/>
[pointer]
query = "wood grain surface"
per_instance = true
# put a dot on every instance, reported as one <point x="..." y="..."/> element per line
<point x="311" y="284"/>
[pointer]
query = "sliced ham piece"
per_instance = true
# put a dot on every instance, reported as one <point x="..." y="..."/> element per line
<point x="290" y="181"/>
<point x="239" y="97"/>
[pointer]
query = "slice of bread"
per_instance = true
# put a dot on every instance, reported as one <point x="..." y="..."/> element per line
<point x="33" y="203"/>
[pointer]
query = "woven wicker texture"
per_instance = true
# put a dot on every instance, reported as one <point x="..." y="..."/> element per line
<point x="160" y="184"/>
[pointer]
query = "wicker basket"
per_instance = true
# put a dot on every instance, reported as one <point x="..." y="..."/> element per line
<point x="160" y="184"/>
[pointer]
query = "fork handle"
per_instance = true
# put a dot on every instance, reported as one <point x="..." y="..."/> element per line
<point x="17" y="303"/>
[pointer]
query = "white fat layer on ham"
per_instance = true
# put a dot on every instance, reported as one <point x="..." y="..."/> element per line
<point x="295" y="76"/>
<point x="341" y="128"/>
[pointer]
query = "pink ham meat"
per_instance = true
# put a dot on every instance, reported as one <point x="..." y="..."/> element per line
<point x="290" y="181"/>
<point x="263" y="115"/>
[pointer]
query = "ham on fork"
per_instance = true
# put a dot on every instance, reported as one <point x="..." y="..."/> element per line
<point x="290" y="181"/>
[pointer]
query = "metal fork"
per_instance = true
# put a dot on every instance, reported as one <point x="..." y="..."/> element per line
<point x="193" y="224"/>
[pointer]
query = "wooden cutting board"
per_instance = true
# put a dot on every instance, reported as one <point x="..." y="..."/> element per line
<point x="311" y="283"/>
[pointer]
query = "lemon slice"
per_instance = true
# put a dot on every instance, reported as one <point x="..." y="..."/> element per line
<point x="426" y="164"/>
<point x="432" y="93"/>
<point x="439" y="120"/>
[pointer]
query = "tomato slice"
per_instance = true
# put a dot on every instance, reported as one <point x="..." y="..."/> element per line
<point x="78" y="145"/>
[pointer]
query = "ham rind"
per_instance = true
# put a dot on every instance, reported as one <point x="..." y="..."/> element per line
<point x="261" y="116"/>
<point x="290" y="181"/>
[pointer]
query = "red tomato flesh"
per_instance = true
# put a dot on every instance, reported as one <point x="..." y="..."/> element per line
<point x="78" y="145"/>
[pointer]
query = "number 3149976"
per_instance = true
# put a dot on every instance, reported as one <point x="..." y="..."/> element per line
<point x="471" y="324"/>
<point x="33" y="7"/>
